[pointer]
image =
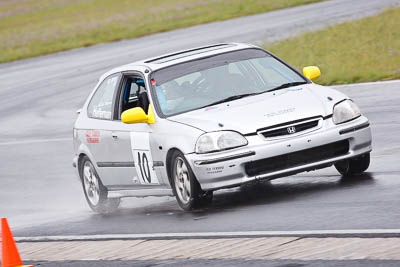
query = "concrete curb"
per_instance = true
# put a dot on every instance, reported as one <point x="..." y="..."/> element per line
<point x="267" y="248"/>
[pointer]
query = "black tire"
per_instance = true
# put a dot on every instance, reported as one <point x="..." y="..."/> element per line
<point x="101" y="203"/>
<point x="187" y="198"/>
<point x="353" y="166"/>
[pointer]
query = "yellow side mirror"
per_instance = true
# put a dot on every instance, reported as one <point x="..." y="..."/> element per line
<point x="137" y="115"/>
<point x="311" y="72"/>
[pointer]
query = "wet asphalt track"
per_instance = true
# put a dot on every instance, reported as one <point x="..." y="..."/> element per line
<point x="41" y="196"/>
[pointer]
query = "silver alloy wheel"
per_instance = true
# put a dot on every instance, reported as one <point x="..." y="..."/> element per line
<point x="91" y="184"/>
<point x="182" y="180"/>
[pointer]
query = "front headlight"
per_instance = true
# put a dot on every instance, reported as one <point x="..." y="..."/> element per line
<point x="345" y="111"/>
<point x="217" y="141"/>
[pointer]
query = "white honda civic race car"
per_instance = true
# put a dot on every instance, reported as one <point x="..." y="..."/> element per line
<point x="192" y="122"/>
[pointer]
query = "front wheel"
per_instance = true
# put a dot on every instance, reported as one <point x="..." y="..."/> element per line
<point x="95" y="192"/>
<point x="187" y="189"/>
<point x="353" y="166"/>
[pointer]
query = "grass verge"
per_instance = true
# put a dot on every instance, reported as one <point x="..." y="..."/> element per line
<point x="360" y="51"/>
<point x="35" y="27"/>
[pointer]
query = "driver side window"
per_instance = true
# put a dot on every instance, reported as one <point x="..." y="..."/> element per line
<point x="133" y="94"/>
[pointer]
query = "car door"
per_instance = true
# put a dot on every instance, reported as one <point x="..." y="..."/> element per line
<point x="130" y="155"/>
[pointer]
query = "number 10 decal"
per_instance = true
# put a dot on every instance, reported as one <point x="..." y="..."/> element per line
<point x="144" y="167"/>
<point x="142" y="156"/>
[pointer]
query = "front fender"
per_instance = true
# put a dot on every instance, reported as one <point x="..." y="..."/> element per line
<point x="168" y="135"/>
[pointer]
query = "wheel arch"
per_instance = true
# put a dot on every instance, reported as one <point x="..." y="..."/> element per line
<point x="80" y="159"/>
<point x="83" y="150"/>
<point x="168" y="161"/>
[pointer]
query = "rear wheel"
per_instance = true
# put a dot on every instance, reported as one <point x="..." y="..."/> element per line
<point x="187" y="190"/>
<point x="95" y="192"/>
<point x="353" y="166"/>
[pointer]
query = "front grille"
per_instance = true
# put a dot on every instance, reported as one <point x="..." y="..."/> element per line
<point x="289" y="128"/>
<point x="297" y="158"/>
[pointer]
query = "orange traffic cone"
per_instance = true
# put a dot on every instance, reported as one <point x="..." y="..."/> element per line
<point x="9" y="249"/>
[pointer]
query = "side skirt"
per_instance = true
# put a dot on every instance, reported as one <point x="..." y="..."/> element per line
<point x="140" y="192"/>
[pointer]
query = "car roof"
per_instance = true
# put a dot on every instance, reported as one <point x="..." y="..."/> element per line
<point x="174" y="58"/>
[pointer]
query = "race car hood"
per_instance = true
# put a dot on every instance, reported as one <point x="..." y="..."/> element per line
<point x="248" y="114"/>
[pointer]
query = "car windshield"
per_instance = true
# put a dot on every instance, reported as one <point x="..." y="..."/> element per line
<point x="221" y="78"/>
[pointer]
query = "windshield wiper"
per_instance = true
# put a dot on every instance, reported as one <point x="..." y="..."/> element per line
<point x="234" y="97"/>
<point x="286" y="85"/>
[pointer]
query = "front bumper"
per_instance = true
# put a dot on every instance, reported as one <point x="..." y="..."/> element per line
<point x="228" y="168"/>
